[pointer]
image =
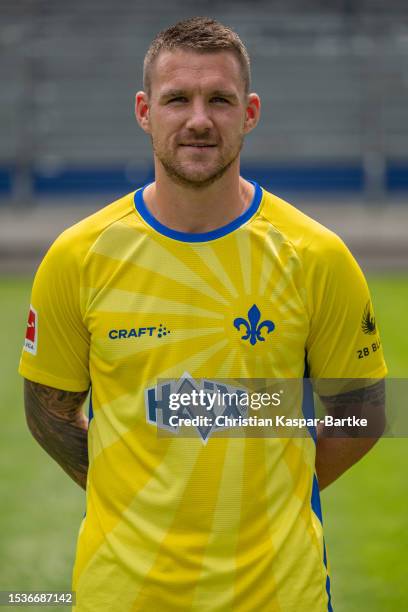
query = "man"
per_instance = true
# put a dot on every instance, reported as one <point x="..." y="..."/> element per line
<point x="162" y="284"/>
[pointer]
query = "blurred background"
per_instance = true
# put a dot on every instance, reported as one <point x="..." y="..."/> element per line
<point x="333" y="140"/>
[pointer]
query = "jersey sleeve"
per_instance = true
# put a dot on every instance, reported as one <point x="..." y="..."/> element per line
<point x="343" y="340"/>
<point x="56" y="347"/>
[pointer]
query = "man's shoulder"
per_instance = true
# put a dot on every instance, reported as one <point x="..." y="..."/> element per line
<point x="92" y="226"/>
<point x="308" y="236"/>
<point x="77" y="239"/>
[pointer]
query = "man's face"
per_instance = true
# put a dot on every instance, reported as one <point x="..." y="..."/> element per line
<point x="197" y="114"/>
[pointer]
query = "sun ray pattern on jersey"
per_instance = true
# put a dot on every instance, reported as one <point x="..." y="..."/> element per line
<point x="219" y="362"/>
<point x="297" y="531"/>
<point x="244" y="250"/>
<point x="255" y="545"/>
<point x="175" y="266"/>
<point x="146" y="491"/>
<point x="120" y="300"/>
<point x="244" y="280"/>
<point x="123" y="536"/>
<point x="189" y="359"/>
<point x="207" y="254"/>
<point x="280" y="265"/>
<point x="116" y="418"/>
<point x="147" y="304"/>
<point x="122" y="490"/>
<point x="220" y="551"/>
<point x="195" y="514"/>
<point x="207" y="267"/>
<point x="230" y="264"/>
<point x="272" y="245"/>
<point x="225" y="363"/>
<point x="194" y="362"/>
<point x="200" y="312"/>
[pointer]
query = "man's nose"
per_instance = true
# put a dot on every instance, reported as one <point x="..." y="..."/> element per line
<point x="199" y="118"/>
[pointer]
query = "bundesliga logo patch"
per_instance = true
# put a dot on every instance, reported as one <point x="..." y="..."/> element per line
<point x="31" y="337"/>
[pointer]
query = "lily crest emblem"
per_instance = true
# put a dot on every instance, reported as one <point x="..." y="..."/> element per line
<point x="253" y="326"/>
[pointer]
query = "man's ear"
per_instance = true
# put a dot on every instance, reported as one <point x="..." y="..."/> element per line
<point x="142" y="111"/>
<point x="253" y="112"/>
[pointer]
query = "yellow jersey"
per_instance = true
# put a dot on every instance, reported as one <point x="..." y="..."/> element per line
<point x="121" y="302"/>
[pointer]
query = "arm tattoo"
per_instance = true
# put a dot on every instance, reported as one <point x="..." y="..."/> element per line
<point x="57" y="422"/>
<point x="367" y="402"/>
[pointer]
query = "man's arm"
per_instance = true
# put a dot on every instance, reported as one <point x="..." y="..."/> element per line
<point x="334" y="454"/>
<point x="56" y="420"/>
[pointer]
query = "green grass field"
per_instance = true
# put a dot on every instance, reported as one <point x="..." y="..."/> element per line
<point x="365" y="512"/>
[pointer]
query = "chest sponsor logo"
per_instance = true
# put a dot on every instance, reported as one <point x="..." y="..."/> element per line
<point x="158" y="331"/>
<point x="202" y="405"/>
<point x="31" y="337"/>
<point x="254" y="329"/>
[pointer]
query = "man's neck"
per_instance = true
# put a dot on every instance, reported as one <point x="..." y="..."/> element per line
<point x="198" y="210"/>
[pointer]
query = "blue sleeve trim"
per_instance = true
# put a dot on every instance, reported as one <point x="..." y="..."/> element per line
<point x="90" y="409"/>
<point x="317" y="509"/>
<point x="308" y="411"/>
<point x="308" y="400"/>
<point x="315" y="501"/>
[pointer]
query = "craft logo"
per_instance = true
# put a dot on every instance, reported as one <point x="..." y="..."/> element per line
<point x="31" y="337"/>
<point x="368" y="321"/>
<point x="253" y="326"/>
<point x="159" y="331"/>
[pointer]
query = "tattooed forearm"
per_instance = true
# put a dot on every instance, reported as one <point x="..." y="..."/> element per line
<point x="57" y="422"/>
<point x="338" y="448"/>
<point x="366" y="403"/>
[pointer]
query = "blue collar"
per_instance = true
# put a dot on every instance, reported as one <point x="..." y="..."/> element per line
<point x="197" y="237"/>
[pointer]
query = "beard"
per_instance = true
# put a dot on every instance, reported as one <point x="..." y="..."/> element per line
<point x="180" y="172"/>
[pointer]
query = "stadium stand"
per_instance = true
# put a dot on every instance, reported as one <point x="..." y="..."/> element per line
<point x="333" y="81"/>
